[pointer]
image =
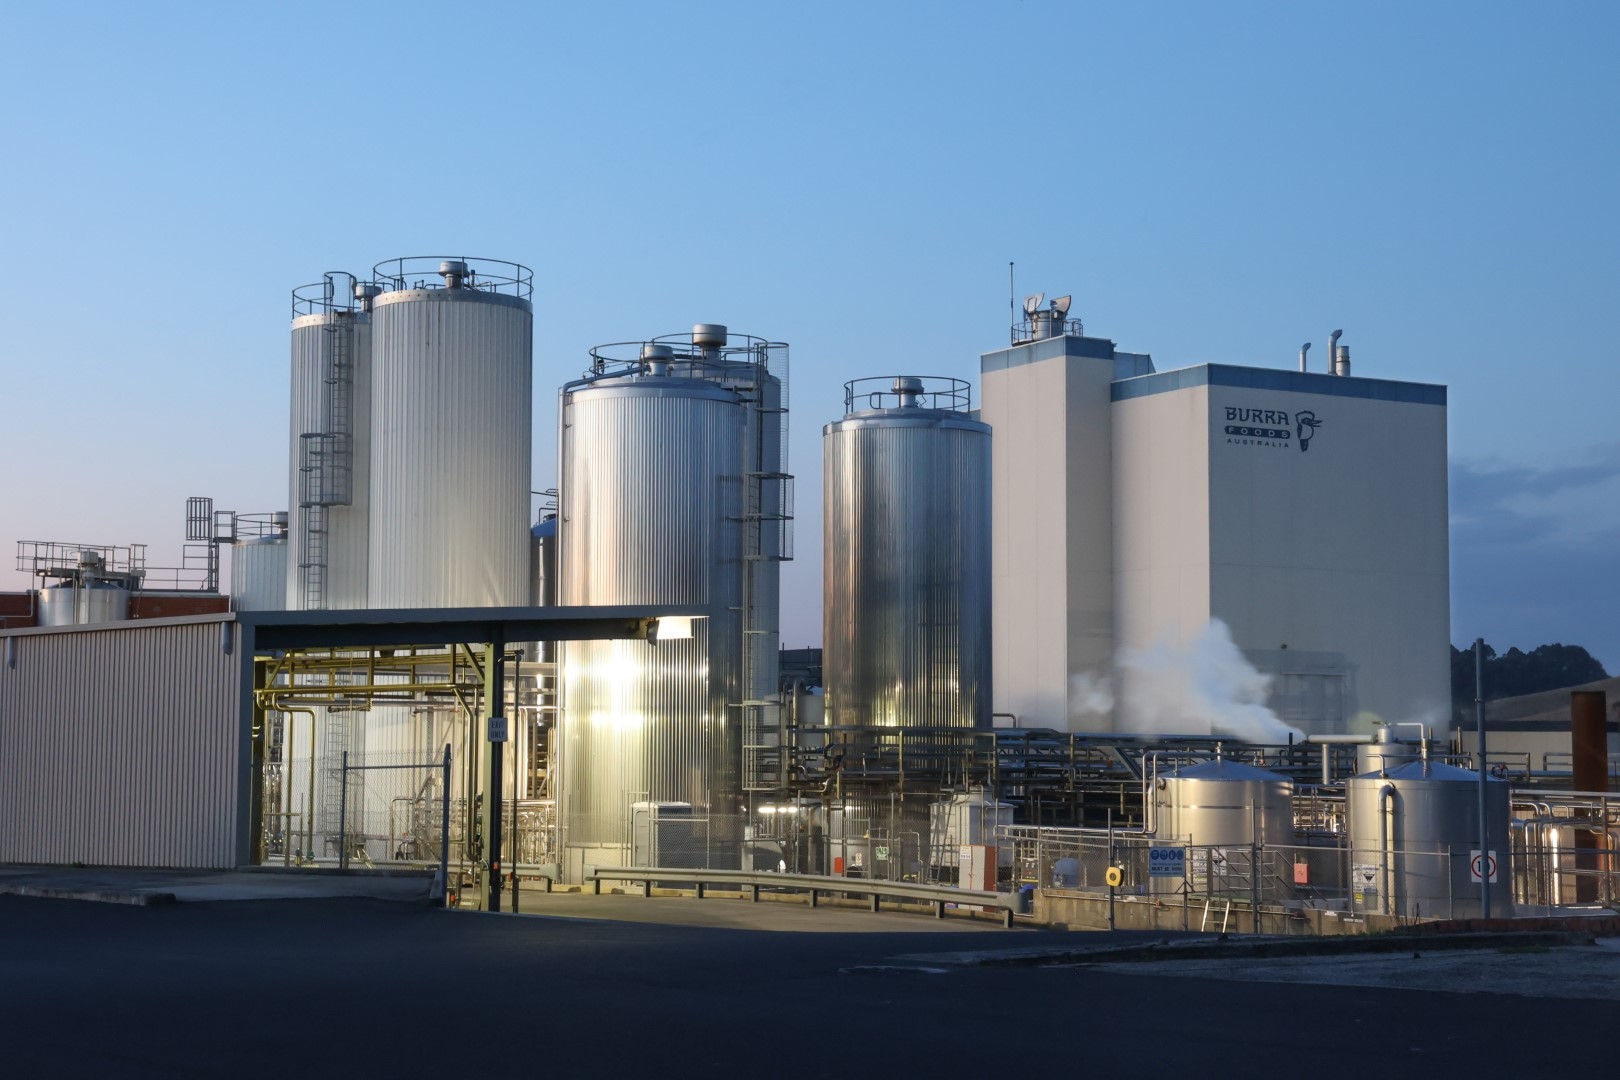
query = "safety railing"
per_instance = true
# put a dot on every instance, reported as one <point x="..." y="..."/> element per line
<point x="814" y="885"/>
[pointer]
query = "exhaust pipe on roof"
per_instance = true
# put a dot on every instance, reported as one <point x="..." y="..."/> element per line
<point x="1303" y="349"/>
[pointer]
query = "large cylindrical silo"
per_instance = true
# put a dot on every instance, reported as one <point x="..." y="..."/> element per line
<point x="451" y="345"/>
<point x="330" y="449"/>
<point x="906" y="557"/>
<point x="660" y="471"/>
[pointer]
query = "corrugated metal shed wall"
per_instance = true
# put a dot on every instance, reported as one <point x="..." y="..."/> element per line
<point x="122" y="746"/>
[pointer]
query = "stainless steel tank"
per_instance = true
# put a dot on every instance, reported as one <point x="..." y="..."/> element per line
<point x="1224" y="803"/>
<point x="82" y="604"/>
<point x="259" y="573"/>
<point x="329" y="451"/>
<point x="451" y="345"/>
<point x="660" y="465"/>
<point x="1226" y="814"/>
<point x="1413" y="831"/>
<point x="906" y="557"/>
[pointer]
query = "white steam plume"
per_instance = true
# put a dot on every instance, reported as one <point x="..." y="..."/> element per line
<point x="1201" y="687"/>
<point x="1090" y="695"/>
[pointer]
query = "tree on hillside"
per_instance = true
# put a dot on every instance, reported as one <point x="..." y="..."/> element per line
<point x="1509" y="674"/>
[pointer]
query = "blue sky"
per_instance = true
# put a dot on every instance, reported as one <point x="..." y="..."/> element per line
<point x="1213" y="182"/>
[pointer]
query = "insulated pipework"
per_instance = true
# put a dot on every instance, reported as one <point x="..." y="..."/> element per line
<point x="1333" y="344"/>
<point x="1303" y="349"/>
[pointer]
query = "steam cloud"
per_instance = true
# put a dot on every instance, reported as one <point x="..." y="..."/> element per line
<point x="1202" y="687"/>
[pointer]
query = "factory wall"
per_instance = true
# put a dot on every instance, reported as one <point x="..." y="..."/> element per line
<point x="124" y="745"/>
<point x="1047" y="404"/>
<point x="1306" y="511"/>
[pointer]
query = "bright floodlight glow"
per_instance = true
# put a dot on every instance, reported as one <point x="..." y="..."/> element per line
<point x="674" y="628"/>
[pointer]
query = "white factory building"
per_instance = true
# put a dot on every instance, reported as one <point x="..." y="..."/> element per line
<point x="1305" y="511"/>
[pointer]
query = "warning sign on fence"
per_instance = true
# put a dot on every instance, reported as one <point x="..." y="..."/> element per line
<point x="1167" y="862"/>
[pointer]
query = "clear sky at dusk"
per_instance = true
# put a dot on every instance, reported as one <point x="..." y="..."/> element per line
<point x="1213" y="182"/>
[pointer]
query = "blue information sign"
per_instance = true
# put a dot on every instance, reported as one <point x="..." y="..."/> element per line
<point x="1167" y="862"/>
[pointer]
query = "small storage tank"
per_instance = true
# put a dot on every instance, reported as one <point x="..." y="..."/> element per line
<point x="1387" y="750"/>
<point x="1224" y="803"/>
<point x="1220" y="810"/>
<point x="451" y="434"/>
<point x="664" y="460"/>
<point x="1413" y="831"/>
<point x="968" y="818"/>
<point x="82" y="604"/>
<point x="906" y="557"/>
<point x="329" y="450"/>
<point x="259" y="573"/>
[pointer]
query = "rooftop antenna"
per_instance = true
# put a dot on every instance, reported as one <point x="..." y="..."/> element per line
<point x="1032" y="303"/>
<point x="1061" y="306"/>
<point x="1012" y="293"/>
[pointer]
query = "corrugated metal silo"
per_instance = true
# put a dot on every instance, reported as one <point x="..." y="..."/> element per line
<point x="906" y="557"/>
<point x="259" y="573"/>
<point x="330" y="447"/>
<point x="450" y="433"/>
<point x="670" y="477"/>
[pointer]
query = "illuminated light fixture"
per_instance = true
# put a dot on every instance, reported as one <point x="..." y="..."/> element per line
<point x="671" y="628"/>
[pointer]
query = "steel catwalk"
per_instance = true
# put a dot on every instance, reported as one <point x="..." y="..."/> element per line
<point x="651" y="502"/>
<point x="450" y="447"/>
<point x="323" y="344"/>
<point x="906" y="566"/>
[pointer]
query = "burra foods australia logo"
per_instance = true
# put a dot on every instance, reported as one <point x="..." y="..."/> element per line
<point x="1270" y="427"/>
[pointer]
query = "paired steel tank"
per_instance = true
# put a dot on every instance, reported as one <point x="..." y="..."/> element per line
<point x="1224" y="803"/>
<point x="329" y="451"/>
<point x="906" y="557"/>
<point x="670" y="492"/>
<point x="1226" y="814"/>
<point x="1414" y="834"/>
<point x="451" y="433"/>
<point x="83" y="603"/>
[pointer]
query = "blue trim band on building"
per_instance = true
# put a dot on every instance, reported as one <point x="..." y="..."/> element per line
<point x="1299" y="382"/>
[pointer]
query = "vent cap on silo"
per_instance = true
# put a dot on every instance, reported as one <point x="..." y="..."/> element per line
<point x="454" y="272"/>
<point x="655" y="359"/>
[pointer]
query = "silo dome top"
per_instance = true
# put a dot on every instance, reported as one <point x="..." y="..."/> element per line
<point x="432" y="272"/>
<point x="908" y="392"/>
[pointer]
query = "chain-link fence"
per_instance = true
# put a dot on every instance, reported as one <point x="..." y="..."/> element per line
<point x="393" y="811"/>
<point x="1434" y="882"/>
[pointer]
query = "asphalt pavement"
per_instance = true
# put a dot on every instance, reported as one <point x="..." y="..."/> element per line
<point x="362" y="987"/>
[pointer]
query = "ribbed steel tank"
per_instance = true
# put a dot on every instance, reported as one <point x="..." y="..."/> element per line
<point x="1224" y="803"/>
<point x="329" y="451"/>
<point x="1413" y="830"/>
<point x="451" y="351"/>
<point x="82" y="604"/>
<point x="906" y="557"/>
<point x="1220" y="810"/>
<point x="656" y="458"/>
<point x="259" y="573"/>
